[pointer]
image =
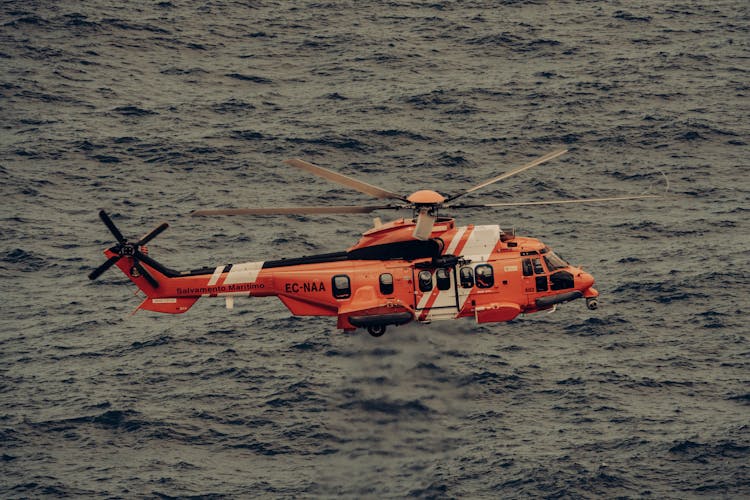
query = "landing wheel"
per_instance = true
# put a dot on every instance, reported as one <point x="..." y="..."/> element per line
<point x="376" y="331"/>
<point x="592" y="304"/>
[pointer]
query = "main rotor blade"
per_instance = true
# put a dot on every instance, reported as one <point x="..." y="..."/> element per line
<point x="153" y="234"/>
<point x="553" y="202"/>
<point x="344" y="180"/>
<point x="111" y="225"/>
<point x="101" y="269"/>
<point x="295" y="210"/>
<point x="538" y="161"/>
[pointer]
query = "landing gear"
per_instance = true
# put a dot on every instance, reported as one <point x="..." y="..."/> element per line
<point x="592" y="304"/>
<point x="376" y="330"/>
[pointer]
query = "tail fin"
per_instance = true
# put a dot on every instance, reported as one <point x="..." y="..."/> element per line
<point x="147" y="274"/>
<point x="155" y="299"/>
<point x="151" y="278"/>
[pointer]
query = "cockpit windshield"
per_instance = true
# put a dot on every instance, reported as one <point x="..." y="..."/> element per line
<point x="553" y="261"/>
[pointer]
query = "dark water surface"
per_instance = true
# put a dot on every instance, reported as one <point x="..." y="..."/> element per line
<point x="151" y="110"/>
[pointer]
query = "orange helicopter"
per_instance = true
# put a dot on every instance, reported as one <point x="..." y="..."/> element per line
<point x="420" y="269"/>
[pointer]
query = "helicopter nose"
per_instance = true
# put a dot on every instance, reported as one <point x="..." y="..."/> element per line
<point x="584" y="280"/>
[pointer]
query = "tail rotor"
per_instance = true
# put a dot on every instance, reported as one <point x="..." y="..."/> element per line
<point x="124" y="248"/>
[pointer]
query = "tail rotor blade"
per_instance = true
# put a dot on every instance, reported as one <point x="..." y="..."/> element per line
<point x="153" y="234"/>
<point x="146" y="274"/>
<point x="129" y="250"/>
<point x="111" y="225"/>
<point x="145" y="258"/>
<point x="101" y="269"/>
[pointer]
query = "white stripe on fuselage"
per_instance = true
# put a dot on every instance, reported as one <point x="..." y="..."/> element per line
<point x="481" y="243"/>
<point x="215" y="276"/>
<point x="456" y="239"/>
<point x="451" y="248"/>
<point x="478" y="248"/>
<point x="243" y="273"/>
<point x="443" y="299"/>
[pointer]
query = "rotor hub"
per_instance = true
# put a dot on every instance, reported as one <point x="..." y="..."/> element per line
<point x="127" y="250"/>
<point x="426" y="197"/>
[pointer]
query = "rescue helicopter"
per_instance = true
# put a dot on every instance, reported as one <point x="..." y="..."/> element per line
<point x="420" y="269"/>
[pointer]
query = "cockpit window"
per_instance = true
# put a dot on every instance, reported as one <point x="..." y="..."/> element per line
<point x="538" y="269"/>
<point x="527" y="269"/>
<point x="554" y="261"/>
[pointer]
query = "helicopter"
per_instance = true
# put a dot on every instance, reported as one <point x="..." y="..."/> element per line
<point x="420" y="269"/>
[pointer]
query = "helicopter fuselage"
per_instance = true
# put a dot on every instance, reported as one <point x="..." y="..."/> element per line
<point x="389" y="278"/>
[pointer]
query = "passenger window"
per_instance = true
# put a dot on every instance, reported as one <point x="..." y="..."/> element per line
<point x="425" y="281"/>
<point x="484" y="275"/>
<point x="467" y="277"/>
<point x="443" y="278"/>
<point x="386" y="284"/>
<point x="341" y="286"/>
<point x="538" y="269"/>
<point x="527" y="269"/>
<point x="541" y="283"/>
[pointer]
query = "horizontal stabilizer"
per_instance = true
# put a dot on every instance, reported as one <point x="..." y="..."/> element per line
<point x="172" y="305"/>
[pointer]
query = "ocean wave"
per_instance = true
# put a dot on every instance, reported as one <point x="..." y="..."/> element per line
<point x="153" y="110"/>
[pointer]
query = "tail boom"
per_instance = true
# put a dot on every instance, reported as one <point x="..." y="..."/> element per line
<point x="176" y="292"/>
